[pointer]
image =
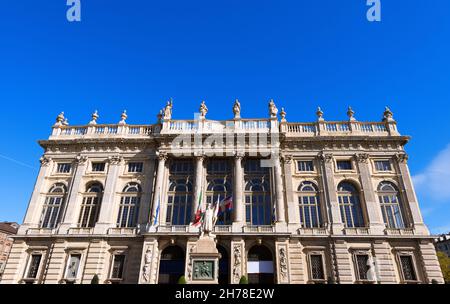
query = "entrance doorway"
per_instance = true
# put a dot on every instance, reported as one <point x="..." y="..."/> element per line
<point x="224" y="266"/>
<point x="260" y="265"/>
<point x="171" y="265"/>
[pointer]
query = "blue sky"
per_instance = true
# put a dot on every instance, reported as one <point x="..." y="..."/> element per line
<point x="135" y="55"/>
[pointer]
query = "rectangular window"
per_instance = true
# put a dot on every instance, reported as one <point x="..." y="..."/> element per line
<point x="117" y="267"/>
<point x="362" y="267"/>
<point x="73" y="265"/>
<point x="135" y="167"/>
<point x="33" y="268"/>
<point x="383" y="165"/>
<point x="409" y="274"/>
<point x="64" y="168"/>
<point x="305" y="166"/>
<point x="98" y="167"/>
<point x="317" y="272"/>
<point x="344" y="165"/>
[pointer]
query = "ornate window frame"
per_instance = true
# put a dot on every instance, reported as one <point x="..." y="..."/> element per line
<point x="319" y="252"/>
<point x="371" y="276"/>
<point x="42" y="251"/>
<point x="310" y="159"/>
<point x="79" y="275"/>
<point x="113" y="251"/>
<point x="378" y="172"/>
<point x="350" y="159"/>
<point x="410" y="253"/>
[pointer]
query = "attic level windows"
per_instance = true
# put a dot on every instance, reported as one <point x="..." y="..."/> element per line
<point x="64" y="168"/>
<point x="135" y="167"/>
<point x="98" y="167"/>
<point x="344" y="165"/>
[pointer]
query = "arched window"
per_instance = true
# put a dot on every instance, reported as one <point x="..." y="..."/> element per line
<point x="390" y="205"/>
<point x="51" y="213"/>
<point x="258" y="206"/>
<point x="309" y="205"/>
<point x="350" y="205"/>
<point x="129" y="206"/>
<point x="179" y="202"/>
<point x="90" y="207"/>
<point x="220" y="190"/>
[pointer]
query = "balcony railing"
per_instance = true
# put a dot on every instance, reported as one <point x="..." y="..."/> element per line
<point x="259" y="229"/>
<point x="174" y="228"/>
<point x="122" y="231"/>
<point x="313" y="231"/>
<point x="402" y="231"/>
<point x="222" y="229"/>
<point x="357" y="231"/>
<point x="40" y="231"/>
<point x="80" y="231"/>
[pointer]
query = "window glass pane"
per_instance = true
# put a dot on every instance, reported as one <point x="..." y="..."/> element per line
<point x="64" y="168"/>
<point x="34" y="266"/>
<point x="344" y="165"/>
<point x="135" y="167"/>
<point x="98" y="167"/>
<point x="317" y="271"/>
<point x="73" y="265"/>
<point x="409" y="273"/>
<point x="362" y="264"/>
<point x="118" y="264"/>
<point x="305" y="166"/>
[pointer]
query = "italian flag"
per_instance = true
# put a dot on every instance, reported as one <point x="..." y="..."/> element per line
<point x="198" y="214"/>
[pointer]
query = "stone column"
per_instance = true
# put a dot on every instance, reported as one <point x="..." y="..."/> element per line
<point x="145" y="209"/>
<point x="334" y="216"/>
<point x="292" y="205"/>
<point x="410" y="195"/>
<point x="280" y="216"/>
<point x="72" y="203"/>
<point x="238" y="196"/>
<point x="373" y="208"/>
<point x="162" y="158"/>
<point x="33" y="215"/>
<point x="198" y="187"/>
<point x="107" y="214"/>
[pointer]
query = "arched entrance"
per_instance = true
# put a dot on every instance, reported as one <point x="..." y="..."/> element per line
<point x="171" y="265"/>
<point x="224" y="266"/>
<point x="260" y="265"/>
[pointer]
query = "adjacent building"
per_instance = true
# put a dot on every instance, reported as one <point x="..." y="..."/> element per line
<point x="443" y="244"/>
<point x="319" y="202"/>
<point x="7" y="229"/>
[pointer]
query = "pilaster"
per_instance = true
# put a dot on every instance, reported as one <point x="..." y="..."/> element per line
<point x="238" y="260"/>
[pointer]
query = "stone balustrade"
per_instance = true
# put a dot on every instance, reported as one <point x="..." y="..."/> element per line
<point x="204" y="126"/>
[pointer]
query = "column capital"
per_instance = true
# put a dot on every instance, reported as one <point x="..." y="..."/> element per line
<point x="45" y="161"/>
<point x="81" y="159"/>
<point x="239" y="155"/>
<point x="326" y="157"/>
<point x="402" y="157"/>
<point x="162" y="156"/>
<point x="287" y="159"/>
<point x="362" y="157"/>
<point x="199" y="156"/>
<point x="115" y="159"/>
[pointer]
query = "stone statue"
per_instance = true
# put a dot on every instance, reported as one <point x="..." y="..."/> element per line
<point x="237" y="109"/>
<point x="209" y="220"/>
<point x="203" y="110"/>
<point x="273" y="111"/>
<point x="168" y="110"/>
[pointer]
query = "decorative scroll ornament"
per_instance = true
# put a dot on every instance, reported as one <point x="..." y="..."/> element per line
<point x="203" y="110"/>
<point x="362" y="157"/>
<point x="273" y="111"/>
<point x="45" y="161"/>
<point x="146" y="270"/>
<point x="162" y="156"/>
<point x="237" y="263"/>
<point x="402" y="157"/>
<point x="81" y="159"/>
<point x="287" y="159"/>
<point x="326" y="157"/>
<point x="115" y="159"/>
<point x="237" y="109"/>
<point x="283" y="263"/>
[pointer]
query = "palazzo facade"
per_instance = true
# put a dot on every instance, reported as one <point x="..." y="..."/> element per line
<point x="320" y="202"/>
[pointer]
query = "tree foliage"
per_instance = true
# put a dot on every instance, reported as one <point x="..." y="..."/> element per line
<point x="444" y="261"/>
